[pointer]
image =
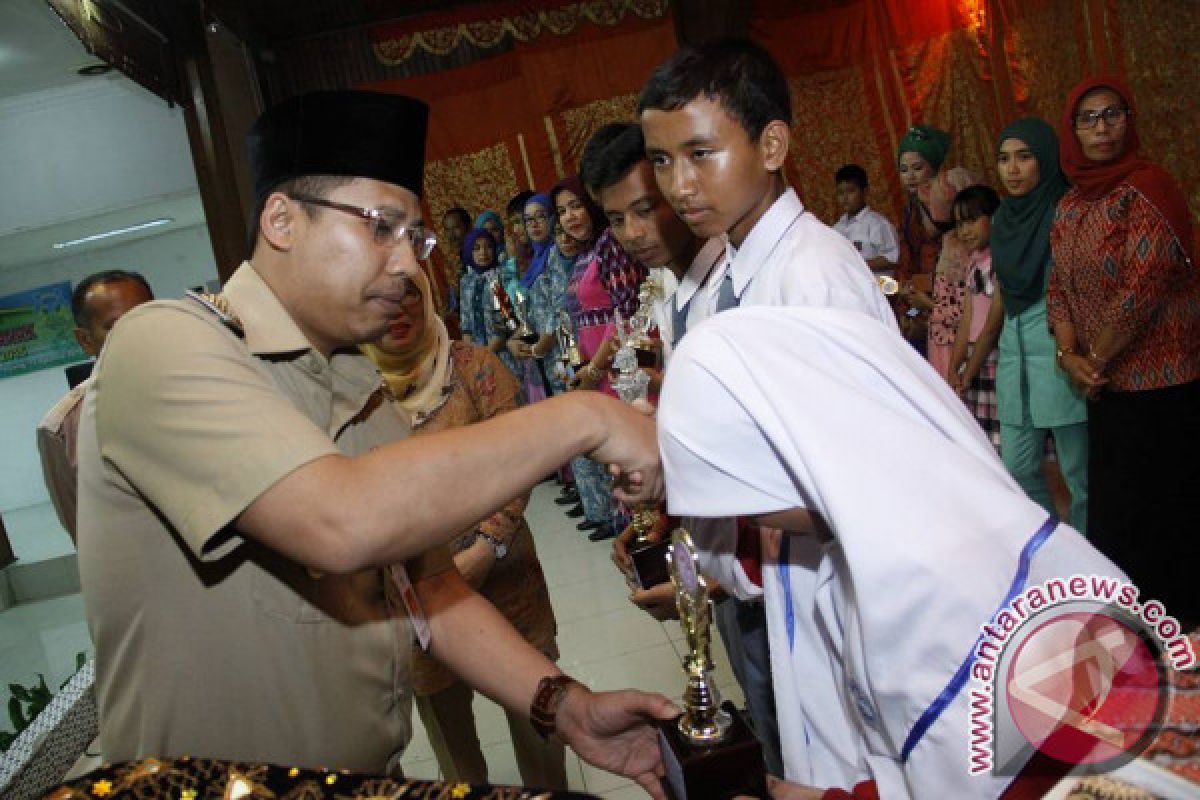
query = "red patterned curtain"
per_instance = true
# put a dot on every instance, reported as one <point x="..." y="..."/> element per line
<point x="864" y="70"/>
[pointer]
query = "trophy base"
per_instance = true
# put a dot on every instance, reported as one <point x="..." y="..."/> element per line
<point x="650" y="563"/>
<point x="647" y="358"/>
<point x="733" y="766"/>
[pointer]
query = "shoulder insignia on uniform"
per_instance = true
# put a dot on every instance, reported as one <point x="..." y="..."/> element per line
<point x="218" y="304"/>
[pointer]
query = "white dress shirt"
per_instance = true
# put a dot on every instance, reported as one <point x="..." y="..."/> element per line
<point x="872" y="234"/>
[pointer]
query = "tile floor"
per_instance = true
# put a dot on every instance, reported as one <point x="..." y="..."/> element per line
<point x="605" y="642"/>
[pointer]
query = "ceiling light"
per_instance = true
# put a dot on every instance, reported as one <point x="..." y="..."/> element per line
<point x="141" y="226"/>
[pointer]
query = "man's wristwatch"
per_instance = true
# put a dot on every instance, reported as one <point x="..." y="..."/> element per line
<point x="543" y="712"/>
<point x="499" y="546"/>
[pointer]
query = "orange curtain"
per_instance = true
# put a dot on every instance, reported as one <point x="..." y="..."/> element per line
<point x="519" y="120"/>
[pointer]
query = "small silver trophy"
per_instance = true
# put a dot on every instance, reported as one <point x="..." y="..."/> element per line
<point x="632" y="383"/>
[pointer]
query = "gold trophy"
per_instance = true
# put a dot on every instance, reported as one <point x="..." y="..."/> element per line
<point x="511" y="314"/>
<point x="648" y="556"/>
<point x="709" y="751"/>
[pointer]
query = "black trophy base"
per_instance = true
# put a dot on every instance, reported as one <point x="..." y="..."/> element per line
<point x="650" y="563"/>
<point x="530" y="338"/>
<point x="734" y="766"/>
<point x="647" y="358"/>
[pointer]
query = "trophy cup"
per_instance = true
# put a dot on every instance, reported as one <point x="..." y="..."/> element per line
<point x="649" y="557"/>
<point x="569" y="354"/>
<point x="709" y="751"/>
<point x="511" y="313"/>
<point x="641" y="323"/>
<point x="631" y="383"/>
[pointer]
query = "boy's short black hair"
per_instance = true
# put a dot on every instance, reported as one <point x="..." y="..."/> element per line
<point x="851" y="173"/>
<point x="738" y="73"/>
<point x="518" y="203"/>
<point x="79" y="309"/>
<point x="976" y="201"/>
<point x="610" y="154"/>
<point x="463" y="215"/>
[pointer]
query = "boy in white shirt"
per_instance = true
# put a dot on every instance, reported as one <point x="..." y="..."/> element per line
<point x="871" y="233"/>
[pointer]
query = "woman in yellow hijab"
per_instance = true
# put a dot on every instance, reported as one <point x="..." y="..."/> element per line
<point x="445" y="384"/>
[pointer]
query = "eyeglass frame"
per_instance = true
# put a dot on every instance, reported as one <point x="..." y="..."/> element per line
<point x="537" y="216"/>
<point x="1113" y="116"/>
<point x="421" y="238"/>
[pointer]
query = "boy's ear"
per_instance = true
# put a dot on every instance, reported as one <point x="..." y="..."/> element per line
<point x="773" y="144"/>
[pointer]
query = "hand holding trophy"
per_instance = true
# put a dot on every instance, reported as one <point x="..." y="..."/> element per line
<point x="709" y="751"/>
<point x="511" y="312"/>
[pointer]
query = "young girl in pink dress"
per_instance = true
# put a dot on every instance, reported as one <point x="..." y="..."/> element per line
<point x="973" y="375"/>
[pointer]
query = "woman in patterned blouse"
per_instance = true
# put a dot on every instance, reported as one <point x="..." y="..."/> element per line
<point x="448" y="384"/>
<point x="1124" y="303"/>
<point x="603" y="279"/>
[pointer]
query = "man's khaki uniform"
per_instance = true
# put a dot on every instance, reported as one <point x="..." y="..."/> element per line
<point x="56" y="437"/>
<point x="207" y="643"/>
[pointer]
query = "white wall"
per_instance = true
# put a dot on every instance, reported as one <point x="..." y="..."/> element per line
<point x="82" y="150"/>
<point x="172" y="263"/>
<point x="68" y="154"/>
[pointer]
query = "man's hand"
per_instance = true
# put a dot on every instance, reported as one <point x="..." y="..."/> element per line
<point x="657" y="601"/>
<point x="614" y="731"/>
<point x="630" y="448"/>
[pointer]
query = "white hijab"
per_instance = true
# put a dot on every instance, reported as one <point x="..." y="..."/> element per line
<point x="766" y="409"/>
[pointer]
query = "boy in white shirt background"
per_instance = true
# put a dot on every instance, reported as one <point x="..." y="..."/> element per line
<point x="871" y="233"/>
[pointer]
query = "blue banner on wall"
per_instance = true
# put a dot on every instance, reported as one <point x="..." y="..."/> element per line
<point x="37" y="330"/>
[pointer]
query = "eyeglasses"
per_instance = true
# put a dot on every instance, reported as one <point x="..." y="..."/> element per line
<point x="537" y="216"/>
<point x="1112" y="116"/>
<point x="386" y="227"/>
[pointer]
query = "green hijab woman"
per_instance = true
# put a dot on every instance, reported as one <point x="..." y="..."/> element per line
<point x="1021" y="227"/>
<point x="1033" y="397"/>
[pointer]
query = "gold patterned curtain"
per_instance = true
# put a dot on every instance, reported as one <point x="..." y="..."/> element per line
<point x="971" y="67"/>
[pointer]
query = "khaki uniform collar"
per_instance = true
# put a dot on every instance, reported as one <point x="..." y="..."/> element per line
<point x="270" y="330"/>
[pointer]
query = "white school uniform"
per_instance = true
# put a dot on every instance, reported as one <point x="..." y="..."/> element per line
<point x="929" y="534"/>
<point x="872" y="235"/>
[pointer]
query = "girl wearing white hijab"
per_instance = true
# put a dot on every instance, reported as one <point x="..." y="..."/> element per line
<point x="838" y="418"/>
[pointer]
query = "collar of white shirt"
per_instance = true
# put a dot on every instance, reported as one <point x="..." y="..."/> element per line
<point x="766" y="234"/>
<point x="702" y="265"/>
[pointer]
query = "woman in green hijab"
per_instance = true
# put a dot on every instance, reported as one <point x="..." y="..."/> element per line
<point x="928" y="250"/>
<point x="1033" y="396"/>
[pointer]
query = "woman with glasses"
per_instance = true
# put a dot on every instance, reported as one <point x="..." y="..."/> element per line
<point x="1124" y="303"/>
<point x="446" y="384"/>
<point x="926" y="250"/>
<point x="538" y="220"/>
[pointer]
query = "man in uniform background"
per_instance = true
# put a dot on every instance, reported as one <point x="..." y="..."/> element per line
<point x="99" y="300"/>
